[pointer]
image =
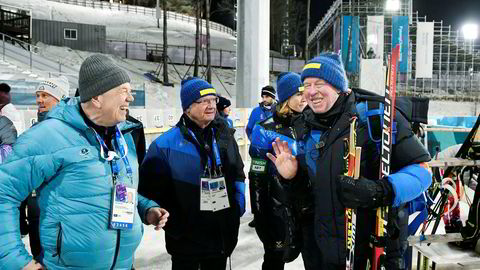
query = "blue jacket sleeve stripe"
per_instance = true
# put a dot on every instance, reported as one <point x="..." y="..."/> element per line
<point x="261" y="141"/>
<point x="409" y="183"/>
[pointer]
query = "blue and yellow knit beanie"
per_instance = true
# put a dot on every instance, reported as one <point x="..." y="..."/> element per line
<point x="194" y="88"/>
<point x="329" y="67"/>
<point x="288" y="83"/>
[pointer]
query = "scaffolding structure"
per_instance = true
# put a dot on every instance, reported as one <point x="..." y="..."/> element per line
<point x="456" y="60"/>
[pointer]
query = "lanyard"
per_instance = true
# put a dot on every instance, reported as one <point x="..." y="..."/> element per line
<point x="316" y="135"/>
<point x="112" y="155"/>
<point x="216" y="152"/>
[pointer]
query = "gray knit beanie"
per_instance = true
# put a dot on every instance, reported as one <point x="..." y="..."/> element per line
<point x="99" y="74"/>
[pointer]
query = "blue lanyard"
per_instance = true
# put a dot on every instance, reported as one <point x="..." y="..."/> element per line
<point x="316" y="135"/>
<point x="216" y="153"/>
<point x="112" y="156"/>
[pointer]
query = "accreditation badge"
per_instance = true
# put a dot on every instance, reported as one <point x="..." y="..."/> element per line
<point x="205" y="198"/>
<point x="218" y="194"/>
<point x="258" y="166"/>
<point x="123" y="207"/>
<point x="213" y="194"/>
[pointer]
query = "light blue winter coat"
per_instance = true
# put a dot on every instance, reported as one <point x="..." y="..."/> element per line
<point x="60" y="159"/>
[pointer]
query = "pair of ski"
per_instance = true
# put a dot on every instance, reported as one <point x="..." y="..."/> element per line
<point x="377" y="261"/>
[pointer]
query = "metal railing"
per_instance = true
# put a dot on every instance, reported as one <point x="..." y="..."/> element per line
<point x="145" y="11"/>
<point x="27" y="54"/>
<point x="184" y="55"/>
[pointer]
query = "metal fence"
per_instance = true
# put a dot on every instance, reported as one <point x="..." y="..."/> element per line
<point x="184" y="55"/>
<point x="145" y="11"/>
<point x="26" y="54"/>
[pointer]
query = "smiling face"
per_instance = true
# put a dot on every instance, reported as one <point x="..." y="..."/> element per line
<point x="297" y="102"/>
<point x="203" y="110"/>
<point x="45" y="101"/>
<point x="320" y="95"/>
<point x="114" y="104"/>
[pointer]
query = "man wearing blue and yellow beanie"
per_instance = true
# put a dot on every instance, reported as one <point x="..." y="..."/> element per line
<point x="328" y="118"/>
<point x="197" y="156"/>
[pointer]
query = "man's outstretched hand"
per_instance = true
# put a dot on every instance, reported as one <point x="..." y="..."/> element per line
<point x="286" y="163"/>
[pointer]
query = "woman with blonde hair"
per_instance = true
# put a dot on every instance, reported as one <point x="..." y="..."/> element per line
<point x="283" y="210"/>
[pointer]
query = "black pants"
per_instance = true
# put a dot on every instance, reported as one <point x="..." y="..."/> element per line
<point x="187" y="263"/>
<point x="33" y="217"/>
<point x="310" y="251"/>
<point x="273" y="260"/>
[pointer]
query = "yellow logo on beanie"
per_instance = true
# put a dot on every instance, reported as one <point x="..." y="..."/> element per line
<point x="207" y="91"/>
<point x="301" y="89"/>
<point x="312" y="65"/>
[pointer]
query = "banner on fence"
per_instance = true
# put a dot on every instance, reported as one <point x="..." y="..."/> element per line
<point x="372" y="75"/>
<point x="350" y="43"/>
<point x="424" y="56"/>
<point x="375" y="25"/>
<point x="400" y="36"/>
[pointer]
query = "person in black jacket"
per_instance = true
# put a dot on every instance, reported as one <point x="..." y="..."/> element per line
<point x="283" y="210"/>
<point x="8" y="136"/>
<point x="196" y="172"/>
<point x="223" y="110"/>
<point x="331" y="109"/>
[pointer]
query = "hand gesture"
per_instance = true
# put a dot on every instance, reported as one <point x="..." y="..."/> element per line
<point x="286" y="163"/>
<point x="33" y="265"/>
<point x="157" y="216"/>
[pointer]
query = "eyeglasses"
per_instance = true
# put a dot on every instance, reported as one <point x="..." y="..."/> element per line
<point x="316" y="86"/>
<point x="208" y="101"/>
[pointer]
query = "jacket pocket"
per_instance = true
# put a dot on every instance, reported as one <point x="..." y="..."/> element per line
<point x="58" y="246"/>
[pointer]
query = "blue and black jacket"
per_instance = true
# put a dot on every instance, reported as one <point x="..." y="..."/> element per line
<point x="279" y="206"/>
<point x="324" y="148"/>
<point x="173" y="165"/>
<point x="258" y="114"/>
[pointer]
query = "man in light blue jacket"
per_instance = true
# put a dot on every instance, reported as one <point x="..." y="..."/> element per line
<point x="82" y="162"/>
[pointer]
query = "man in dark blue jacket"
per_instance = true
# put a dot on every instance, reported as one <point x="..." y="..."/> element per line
<point x="332" y="106"/>
<point x="264" y="109"/>
<point x="196" y="172"/>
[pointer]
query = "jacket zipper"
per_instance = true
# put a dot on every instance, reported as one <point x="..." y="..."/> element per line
<point x="58" y="247"/>
<point x="117" y="248"/>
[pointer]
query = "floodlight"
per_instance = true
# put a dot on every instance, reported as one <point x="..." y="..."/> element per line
<point x="470" y="31"/>
<point x="392" y="5"/>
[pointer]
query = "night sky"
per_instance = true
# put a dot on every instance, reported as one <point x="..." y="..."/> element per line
<point x="454" y="12"/>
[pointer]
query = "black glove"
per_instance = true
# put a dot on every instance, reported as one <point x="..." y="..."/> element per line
<point x="363" y="192"/>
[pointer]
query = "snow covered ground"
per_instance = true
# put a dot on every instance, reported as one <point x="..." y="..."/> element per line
<point x="119" y="24"/>
<point x="135" y="27"/>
